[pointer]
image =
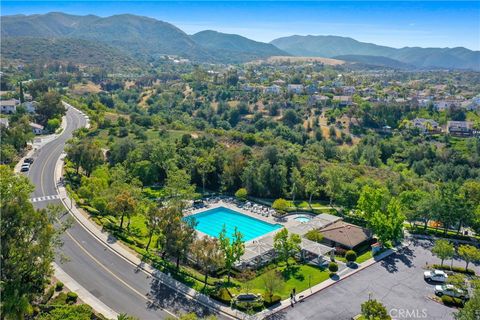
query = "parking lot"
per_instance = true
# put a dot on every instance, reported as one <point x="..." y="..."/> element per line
<point x="397" y="281"/>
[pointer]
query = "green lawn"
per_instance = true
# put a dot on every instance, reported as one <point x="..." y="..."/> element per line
<point x="297" y="277"/>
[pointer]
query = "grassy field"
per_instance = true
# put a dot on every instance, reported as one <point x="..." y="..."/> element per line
<point x="299" y="276"/>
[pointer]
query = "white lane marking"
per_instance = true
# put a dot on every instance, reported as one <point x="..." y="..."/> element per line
<point x="45" y="198"/>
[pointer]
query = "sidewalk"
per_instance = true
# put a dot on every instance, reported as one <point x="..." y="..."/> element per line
<point x="106" y="239"/>
<point x="133" y="259"/>
<point x="344" y="274"/>
<point x="83" y="293"/>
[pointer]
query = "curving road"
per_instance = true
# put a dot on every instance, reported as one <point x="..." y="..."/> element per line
<point x="110" y="278"/>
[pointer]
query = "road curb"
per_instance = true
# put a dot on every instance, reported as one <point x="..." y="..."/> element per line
<point x="173" y="284"/>
<point x="83" y="293"/>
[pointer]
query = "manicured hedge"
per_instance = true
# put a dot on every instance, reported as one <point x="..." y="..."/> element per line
<point x="270" y="302"/>
<point x="455" y="269"/>
<point x="452" y="302"/>
<point x="223" y="295"/>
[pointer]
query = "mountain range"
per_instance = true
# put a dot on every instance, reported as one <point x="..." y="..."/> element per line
<point x="336" y="47"/>
<point x="97" y="40"/>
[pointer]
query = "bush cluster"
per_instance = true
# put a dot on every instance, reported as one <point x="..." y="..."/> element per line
<point x="454" y="269"/>
<point x="452" y="302"/>
<point x="270" y="302"/>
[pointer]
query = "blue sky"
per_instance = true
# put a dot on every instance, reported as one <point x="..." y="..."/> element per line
<point x="392" y="23"/>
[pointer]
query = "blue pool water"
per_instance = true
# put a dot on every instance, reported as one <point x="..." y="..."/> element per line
<point x="303" y="219"/>
<point x="211" y="223"/>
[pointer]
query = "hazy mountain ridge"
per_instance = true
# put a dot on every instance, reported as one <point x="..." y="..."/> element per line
<point x="334" y="46"/>
<point x="145" y="38"/>
<point x="240" y="48"/>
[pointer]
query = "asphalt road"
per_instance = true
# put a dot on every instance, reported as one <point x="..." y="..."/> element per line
<point x="110" y="278"/>
<point x="397" y="281"/>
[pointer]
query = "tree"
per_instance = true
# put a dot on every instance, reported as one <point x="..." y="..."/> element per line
<point x="311" y="180"/>
<point x="29" y="239"/>
<point x="125" y="204"/>
<point x="314" y="235"/>
<point x="470" y="310"/>
<point x="443" y="249"/>
<point x="286" y="245"/>
<point x="411" y="205"/>
<point x="205" y="165"/>
<point x="374" y="310"/>
<point x="272" y="282"/>
<point x="241" y="194"/>
<point x="124" y="316"/>
<point x="85" y="154"/>
<point x="280" y="205"/>
<point x="154" y="214"/>
<point x="232" y="249"/>
<point x="177" y="233"/>
<point x="207" y="255"/>
<point x="388" y="226"/>
<point x="373" y="200"/>
<point x="50" y="106"/>
<point x="178" y="187"/>
<point x="469" y="254"/>
<point x="296" y="183"/>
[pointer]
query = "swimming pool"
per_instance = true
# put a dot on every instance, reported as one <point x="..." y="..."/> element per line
<point x="303" y="219"/>
<point x="211" y="223"/>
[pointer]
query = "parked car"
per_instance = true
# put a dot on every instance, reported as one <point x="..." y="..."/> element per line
<point x="450" y="290"/>
<point x="435" y="275"/>
<point x="28" y="160"/>
<point x="25" y="167"/>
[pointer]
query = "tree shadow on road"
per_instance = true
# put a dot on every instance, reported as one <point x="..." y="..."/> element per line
<point x="162" y="296"/>
<point x="404" y="256"/>
<point x="281" y="315"/>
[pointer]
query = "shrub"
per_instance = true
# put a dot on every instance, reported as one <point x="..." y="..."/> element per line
<point x="53" y="124"/>
<point x="241" y="194"/>
<point x="333" y="267"/>
<point x="454" y="269"/>
<point x="59" y="286"/>
<point x="452" y="302"/>
<point x="280" y="205"/>
<point x="314" y="235"/>
<point x="72" y="297"/>
<point x="223" y="295"/>
<point x="48" y="295"/>
<point x="270" y="302"/>
<point x="351" y="256"/>
<point x="339" y="251"/>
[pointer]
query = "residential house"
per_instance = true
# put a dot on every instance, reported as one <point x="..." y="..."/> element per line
<point x="460" y="128"/>
<point x="472" y="104"/>
<point x="311" y="89"/>
<point x="295" y="88"/>
<point x="9" y="106"/>
<point x="273" y="89"/>
<point x="343" y="101"/>
<point x="348" y="90"/>
<point x="345" y="235"/>
<point x="249" y="88"/>
<point x="425" y="125"/>
<point x="317" y="99"/>
<point x="443" y="105"/>
<point x="36" y="128"/>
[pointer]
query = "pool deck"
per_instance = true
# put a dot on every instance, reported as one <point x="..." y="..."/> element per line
<point x="270" y="219"/>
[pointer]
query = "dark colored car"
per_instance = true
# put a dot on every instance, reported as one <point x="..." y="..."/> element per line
<point x="28" y="160"/>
